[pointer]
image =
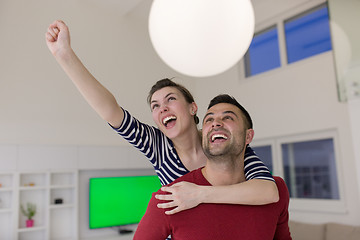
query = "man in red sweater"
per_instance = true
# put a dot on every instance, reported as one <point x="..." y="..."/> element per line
<point x="227" y="129"/>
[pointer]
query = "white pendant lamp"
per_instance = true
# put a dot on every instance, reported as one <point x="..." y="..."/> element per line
<point x="201" y="38"/>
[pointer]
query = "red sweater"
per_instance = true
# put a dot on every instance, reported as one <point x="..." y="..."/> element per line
<point x="217" y="221"/>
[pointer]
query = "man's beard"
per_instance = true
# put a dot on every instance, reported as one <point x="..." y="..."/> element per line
<point x="232" y="149"/>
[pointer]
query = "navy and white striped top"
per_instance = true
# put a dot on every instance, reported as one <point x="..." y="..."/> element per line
<point x="161" y="152"/>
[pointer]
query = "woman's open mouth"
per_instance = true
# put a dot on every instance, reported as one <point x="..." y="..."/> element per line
<point x="169" y="121"/>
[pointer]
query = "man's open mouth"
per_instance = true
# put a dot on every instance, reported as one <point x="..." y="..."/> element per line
<point x="218" y="137"/>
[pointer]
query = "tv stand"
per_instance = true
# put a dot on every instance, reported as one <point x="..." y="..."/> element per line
<point x="125" y="231"/>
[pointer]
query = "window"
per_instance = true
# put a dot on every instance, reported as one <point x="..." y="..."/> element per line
<point x="308" y="164"/>
<point x="308" y="34"/>
<point x="310" y="169"/>
<point x="302" y="36"/>
<point x="263" y="53"/>
<point x="265" y="154"/>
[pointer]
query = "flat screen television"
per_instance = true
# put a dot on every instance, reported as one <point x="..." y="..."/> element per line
<point x="118" y="201"/>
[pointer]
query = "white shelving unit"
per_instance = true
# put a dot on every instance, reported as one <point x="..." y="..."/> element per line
<point x="55" y="197"/>
<point x="43" y="173"/>
<point x="63" y="188"/>
<point x="32" y="189"/>
<point x="6" y="205"/>
<point x="6" y="192"/>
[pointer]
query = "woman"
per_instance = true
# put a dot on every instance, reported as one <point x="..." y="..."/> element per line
<point x="173" y="110"/>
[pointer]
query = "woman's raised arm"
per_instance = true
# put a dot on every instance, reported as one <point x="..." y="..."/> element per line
<point x="98" y="97"/>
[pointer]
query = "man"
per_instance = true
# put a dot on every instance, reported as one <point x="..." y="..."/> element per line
<point x="227" y="129"/>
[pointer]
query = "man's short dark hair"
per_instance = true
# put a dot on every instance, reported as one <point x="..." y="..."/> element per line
<point x="225" y="98"/>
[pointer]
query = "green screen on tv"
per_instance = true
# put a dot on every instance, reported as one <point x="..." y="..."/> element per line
<point x="116" y="201"/>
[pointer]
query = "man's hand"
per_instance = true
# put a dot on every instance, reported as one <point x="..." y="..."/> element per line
<point x="183" y="195"/>
<point x="57" y="37"/>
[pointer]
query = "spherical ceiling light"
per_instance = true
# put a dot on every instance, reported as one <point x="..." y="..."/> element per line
<point x="201" y="38"/>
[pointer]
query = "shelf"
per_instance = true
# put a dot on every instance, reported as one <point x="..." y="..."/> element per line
<point x="6" y="220"/>
<point x="31" y="188"/>
<point x="35" y="179"/>
<point x="38" y="233"/>
<point x="62" y="178"/>
<point x="5" y="210"/>
<point x="52" y="221"/>
<point x="62" y="186"/>
<point x="6" y="205"/>
<point x="60" y="229"/>
<point x="31" y="229"/>
<point x="59" y="206"/>
<point x="6" y="199"/>
<point x="67" y="195"/>
<point x="37" y="195"/>
<point x="6" y="181"/>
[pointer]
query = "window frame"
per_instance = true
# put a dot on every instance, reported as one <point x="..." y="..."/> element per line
<point x="247" y="59"/>
<point x="279" y="22"/>
<point x="303" y="204"/>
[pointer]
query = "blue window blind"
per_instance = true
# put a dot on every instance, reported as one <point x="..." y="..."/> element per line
<point x="263" y="53"/>
<point x="308" y="34"/>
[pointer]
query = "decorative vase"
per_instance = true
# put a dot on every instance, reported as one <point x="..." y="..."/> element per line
<point x="30" y="223"/>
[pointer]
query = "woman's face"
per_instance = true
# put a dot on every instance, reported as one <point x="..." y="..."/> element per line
<point x="171" y="112"/>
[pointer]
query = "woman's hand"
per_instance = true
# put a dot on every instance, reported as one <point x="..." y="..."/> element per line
<point x="57" y="37"/>
<point x="183" y="195"/>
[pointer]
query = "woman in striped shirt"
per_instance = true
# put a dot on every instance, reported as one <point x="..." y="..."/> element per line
<point x="174" y="148"/>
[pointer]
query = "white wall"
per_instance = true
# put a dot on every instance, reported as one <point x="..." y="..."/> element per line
<point x="39" y="105"/>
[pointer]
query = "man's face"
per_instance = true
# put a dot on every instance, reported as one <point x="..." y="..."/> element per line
<point x="223" y="131"/>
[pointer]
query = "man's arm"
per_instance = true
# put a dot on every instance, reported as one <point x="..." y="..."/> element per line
<point x="98" y="97"/>
<point x="154" y="224"/>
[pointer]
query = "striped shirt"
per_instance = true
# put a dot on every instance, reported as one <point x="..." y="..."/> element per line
<point x="162" y="154"/>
